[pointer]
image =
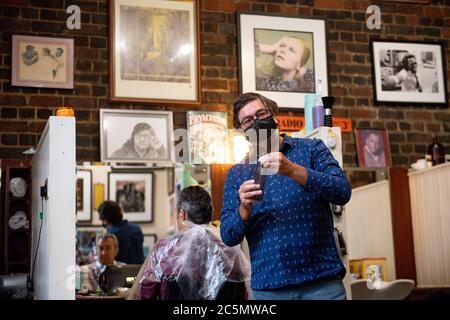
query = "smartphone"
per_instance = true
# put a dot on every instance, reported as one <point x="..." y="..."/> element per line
<point x="259" y="179"/>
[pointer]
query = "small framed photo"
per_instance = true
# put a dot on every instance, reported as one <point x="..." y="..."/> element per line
<point x="133" y="191"/>
<point x="409" y="72"/>
<point x="42" y="62"/>
<point x="282" y="57"/>
<point x="154" y="52"/>
<point x="136" y="136"/>
<point x="149" y="243"/>
<point x="373" y="148"/>
<point x="84" y="195"/>
<point x="170" y="180"/>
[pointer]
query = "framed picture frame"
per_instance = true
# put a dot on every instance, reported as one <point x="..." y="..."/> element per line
<point x="407" y="72"/>
<point x="170" y="180"/>
<point x="266" y="67"/>
<point x="154" y="52"/>
<point x="149" y="242"/>
<point x="133" y="191"/>
<point x="42" y="62"/>
<point x="84" y="195"/>
<point x="373" y="148"/>
<point x="140" y="136"/>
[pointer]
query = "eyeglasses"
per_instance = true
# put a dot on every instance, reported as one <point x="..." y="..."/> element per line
<point x="247" y="122"/>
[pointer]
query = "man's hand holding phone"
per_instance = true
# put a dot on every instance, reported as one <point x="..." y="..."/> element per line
<point x="247" y="191"/>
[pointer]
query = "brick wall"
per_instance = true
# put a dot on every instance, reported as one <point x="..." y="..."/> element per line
<point x="24" y="111"/>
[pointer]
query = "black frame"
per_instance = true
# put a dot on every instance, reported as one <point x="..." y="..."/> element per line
<point x="152" y="192"/>
<point x="443" y="66"/>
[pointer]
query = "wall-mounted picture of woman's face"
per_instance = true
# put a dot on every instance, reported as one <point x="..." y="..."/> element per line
<point x="284" y="61"/>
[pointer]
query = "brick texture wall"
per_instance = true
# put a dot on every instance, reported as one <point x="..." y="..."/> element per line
<point x="24" y="111"/>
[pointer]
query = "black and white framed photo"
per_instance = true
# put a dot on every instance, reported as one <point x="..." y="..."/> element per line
<point x="84" y="195"/>
<point x="136" y="136"/>
<point x="282" y="57"/>
<point x="149" y="243"/>
<point x="134" y="193"/>
<point x="409" y="72"/>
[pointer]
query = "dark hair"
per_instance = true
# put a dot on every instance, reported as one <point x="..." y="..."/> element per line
<point x="405" y="60"/>
<point x="141" y="126"/>
<point x="110" y="211"/>
<point x="196" y="201"/>
<point x="248" y="97"/>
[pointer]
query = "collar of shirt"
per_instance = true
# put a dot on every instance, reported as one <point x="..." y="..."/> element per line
<point x="288" y="142"/>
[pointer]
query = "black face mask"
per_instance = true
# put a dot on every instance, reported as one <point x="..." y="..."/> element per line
<point x="263" y="124"/>
<point x="260" y="125"/>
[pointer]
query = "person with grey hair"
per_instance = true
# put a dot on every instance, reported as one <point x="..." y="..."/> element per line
<point x="107" y="250"/>
<point x="194" y="263"/>
<point x="143" y="144"/>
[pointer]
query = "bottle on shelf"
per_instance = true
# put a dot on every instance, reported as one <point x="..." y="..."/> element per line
<point x="318" y="111"/>
<point x="436" y="152"/>
<point x="308" y="107"/>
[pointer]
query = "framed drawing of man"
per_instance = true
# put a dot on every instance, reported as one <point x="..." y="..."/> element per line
<point x="136" y="136"/>
<point x="282" y="57"/>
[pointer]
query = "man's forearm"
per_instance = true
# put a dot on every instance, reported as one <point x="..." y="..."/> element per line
<point x="299" y="174"/>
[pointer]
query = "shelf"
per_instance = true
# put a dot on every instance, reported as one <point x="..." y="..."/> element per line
<point x="18" y="263"/>
<point x="17" y="199"/>
<point x="19" y="231"/>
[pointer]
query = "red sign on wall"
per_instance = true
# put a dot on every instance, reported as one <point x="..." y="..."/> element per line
<point x="290" y="123"/>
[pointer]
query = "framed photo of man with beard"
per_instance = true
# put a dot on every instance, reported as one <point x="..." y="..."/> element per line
<point x="133" y="191"/>
<point x="139" y="136"/>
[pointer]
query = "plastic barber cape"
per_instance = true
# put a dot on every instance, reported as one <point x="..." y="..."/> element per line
<point x="199" y="262"/>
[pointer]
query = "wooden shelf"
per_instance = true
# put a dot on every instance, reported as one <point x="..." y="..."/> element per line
<point x="18" y="262"/>
<point x="24" y="199"/>
<point x="19" y="231"/>
<point x="15" y="244"/>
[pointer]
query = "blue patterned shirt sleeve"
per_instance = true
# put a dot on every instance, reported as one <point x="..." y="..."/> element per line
<point x="326" y="177"/>
<point x="232" y="227"/>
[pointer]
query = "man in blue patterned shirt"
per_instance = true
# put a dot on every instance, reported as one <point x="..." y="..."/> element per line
<point x="290" y="232"/>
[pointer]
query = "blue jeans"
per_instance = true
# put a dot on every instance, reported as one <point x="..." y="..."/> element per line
<point x="330" y="288"/>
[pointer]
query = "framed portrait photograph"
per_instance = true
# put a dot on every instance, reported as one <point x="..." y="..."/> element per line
<point x="149" y="243"/>
<point x="373" y="148"/>
<point x="409" y="72"/>
<point x="282" y="57"/>
<point x="134" y="193"/>
<point x="154" y="52"/>
<point x="136" y="136"/>
<point x="42" y="62"/>
<point x="84" y="195"/>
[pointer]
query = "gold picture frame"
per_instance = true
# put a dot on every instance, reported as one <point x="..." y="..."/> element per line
<point x="154" y="52"/>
